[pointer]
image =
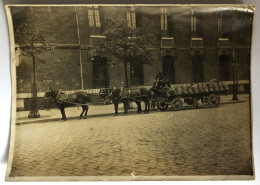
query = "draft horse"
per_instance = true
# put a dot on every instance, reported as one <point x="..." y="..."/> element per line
<point x="136" y="95"/>
<point x="63" y="100"/>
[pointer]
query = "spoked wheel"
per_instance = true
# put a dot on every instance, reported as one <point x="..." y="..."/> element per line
<point x="162" y="105"/>
<point x="213" y="100"/>
<point x="176" y="104"/>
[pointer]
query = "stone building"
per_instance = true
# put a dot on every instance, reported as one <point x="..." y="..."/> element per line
<point x="193" y="44"/>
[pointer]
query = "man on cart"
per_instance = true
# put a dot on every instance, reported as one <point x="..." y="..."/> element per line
<point x="160" y="81"/>
<point x="161" y="84"/>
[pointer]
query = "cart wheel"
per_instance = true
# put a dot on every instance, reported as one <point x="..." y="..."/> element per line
<point x="162" y="105"/>
<point x="213" y="100"/>
<point x="176" y="104"/>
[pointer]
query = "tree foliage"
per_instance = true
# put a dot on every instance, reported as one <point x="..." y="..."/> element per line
<point x="32" y="38"/>
<point x="125" y="43"/>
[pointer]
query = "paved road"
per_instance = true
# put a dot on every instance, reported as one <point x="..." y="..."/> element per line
<point x="204" y="141"/>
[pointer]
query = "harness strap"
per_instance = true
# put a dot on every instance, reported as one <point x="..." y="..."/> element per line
<point x="66" y="98"/>
<point x="74" y="103"/>
<point x="65" y="101"/>
<point x="57" y="96"/>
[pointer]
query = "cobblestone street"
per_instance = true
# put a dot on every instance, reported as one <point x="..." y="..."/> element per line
<point x="203" y="141"/>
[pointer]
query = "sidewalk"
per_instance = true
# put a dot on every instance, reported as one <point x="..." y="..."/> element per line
<point x="226" y="99"/>
<point x="98" y="110"/>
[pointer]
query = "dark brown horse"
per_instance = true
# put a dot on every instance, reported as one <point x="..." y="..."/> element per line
<point x="136" y="95"/>
<point x="63" y="100"/>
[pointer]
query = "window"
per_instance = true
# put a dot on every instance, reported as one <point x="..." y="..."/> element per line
<point x="90" y="18"/>
<point x="100" y="72"/>
<point x="94" y="17"/>
<point x="167" y="23"/>
<point x="244" y="24"/>
<point x="131" y="19"/>
<point x="225" y="24"/>
<point x="134" y="18"/>
<point x="193" y="21"/>
<point x="164" y="20"/>
<point x="220" y="19"/>
<point x="196" y="26"/>
<point x="97" y="18"/>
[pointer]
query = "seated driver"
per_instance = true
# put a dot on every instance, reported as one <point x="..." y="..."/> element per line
<point x="158" y="79"/>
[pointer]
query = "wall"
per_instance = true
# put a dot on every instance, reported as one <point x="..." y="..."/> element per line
<point x="68" y="28"/>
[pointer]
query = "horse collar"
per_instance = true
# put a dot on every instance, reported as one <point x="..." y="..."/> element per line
<point x="59" y="98"/>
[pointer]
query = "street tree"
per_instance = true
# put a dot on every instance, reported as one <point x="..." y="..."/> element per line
<point x="31" y="39"/>
<point x="125" y="43"/>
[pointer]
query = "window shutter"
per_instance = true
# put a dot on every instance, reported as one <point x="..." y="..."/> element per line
<point x="102" y="19"/>
<point x="170" y="26"/>
<point x="199" y="24"/>
<point x="138" y="19"/>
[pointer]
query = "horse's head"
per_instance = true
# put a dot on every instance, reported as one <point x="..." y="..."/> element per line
<point x="50" y="94"/>
<point x="47" y="94"/>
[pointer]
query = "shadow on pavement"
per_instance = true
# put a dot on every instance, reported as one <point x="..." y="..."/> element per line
<point x="204" y="106"/>
<point x="75" y="118"/>
<point x="131" y="112"/>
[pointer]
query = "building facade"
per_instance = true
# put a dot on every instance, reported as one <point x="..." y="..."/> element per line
<point x="192" y="44"/>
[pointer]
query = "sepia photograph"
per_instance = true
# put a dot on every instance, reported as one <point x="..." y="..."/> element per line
<point x="130" y="92"/>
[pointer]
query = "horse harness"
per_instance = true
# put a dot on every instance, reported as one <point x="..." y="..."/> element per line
<point x="62" y="98"/>
<point x="129" y="93"/>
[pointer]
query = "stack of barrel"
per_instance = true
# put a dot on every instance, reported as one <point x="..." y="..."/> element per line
<point x="200" y="88"/>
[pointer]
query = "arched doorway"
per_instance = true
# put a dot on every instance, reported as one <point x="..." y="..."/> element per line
<point x="168" y="68"/>
<point x="100" y="74"/>
<point x="137" y="73"/>
<point x="224" y="68"/>
<point x="197" y="68"/>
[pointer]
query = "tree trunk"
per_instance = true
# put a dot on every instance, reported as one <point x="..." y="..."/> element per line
<point x="126" y="76"/>
<point x="34" y="113"/>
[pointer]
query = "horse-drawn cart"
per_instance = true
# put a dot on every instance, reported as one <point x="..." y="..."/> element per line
<point x="191" y="94"/>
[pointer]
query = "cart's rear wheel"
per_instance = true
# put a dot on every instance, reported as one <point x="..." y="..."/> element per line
<point x="162" y="105"/>
<point x="176" y="104"/>
<point x="213" y="100"/>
